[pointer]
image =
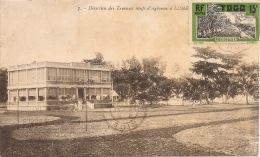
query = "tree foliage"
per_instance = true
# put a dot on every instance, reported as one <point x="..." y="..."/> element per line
<point x="210" y="25"/>
<point x="247" y="78"/>
<point x="218" y="75"/>
<point x="153" y="66"/>
<point x="216" y="67"/>
<point x="140" y="80"/>
<point x="223" y="74"/>
<point x="97" y="60"/>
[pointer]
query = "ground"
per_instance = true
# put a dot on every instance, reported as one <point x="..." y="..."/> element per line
<point x="220" y="129"/>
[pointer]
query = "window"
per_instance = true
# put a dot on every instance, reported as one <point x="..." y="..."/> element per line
<point x="73" y="75"/>
<point x="65" y="94"/>
<point x="95" y="75"/>
<point x="95" y="93"/>
<point x="13" y="77"/>
<point x="105" y="76"/>
<point x="31" y="75"/>
<point x="64" y="74"/>
<point x="40" y="74"/>
<point x="31" y="94"/>
<point x="93" y="97"/>
<point x="41" y="93"/>
<point x="86" y="74"/>
<point x="22" y="75"/>
<point x="80" y="75"/>
<point x="106" y="93"/>
<point x="92" y="94"/>
<point x="22" y="95"/>
<point x="52" y="94"/>
<point x="67" y="91"/>
<point x="98" y="93"/>
<point x="13" y="95"/>
<point x="61" y="91"/>
<point x="51" y="74"/>
<point x="74" y="93"/>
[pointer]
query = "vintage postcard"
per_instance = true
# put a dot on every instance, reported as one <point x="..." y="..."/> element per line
<point x="129" y="78"/>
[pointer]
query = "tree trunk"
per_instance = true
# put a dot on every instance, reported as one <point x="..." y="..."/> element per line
<point x="246" y="94"/>
<point x="247" y="99"/>
<point x="224" y="100"/>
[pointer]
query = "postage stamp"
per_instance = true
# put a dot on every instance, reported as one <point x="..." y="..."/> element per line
<point x="225" y="22"/>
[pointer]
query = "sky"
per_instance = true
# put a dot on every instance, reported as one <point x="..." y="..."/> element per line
<point x="66" y="31"/>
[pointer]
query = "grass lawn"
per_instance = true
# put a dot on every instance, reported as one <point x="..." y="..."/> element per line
<point x="161" y="133"/>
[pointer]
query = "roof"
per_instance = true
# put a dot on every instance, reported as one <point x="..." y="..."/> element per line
<point x="74" y="65"/>
<point x="114" y="93"/>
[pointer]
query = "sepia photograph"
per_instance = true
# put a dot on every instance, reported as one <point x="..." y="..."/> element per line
<point x="129" y="78"/>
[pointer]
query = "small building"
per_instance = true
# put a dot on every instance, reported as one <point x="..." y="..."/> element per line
<point x="47" y="85"/>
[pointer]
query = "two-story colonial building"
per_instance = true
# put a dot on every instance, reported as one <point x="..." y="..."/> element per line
<point x="43" y="85"/>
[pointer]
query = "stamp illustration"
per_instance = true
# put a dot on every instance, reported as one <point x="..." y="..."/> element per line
<point x="225" y="22"/>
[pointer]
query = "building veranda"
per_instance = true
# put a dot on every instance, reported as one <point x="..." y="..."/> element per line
<point x="53" y="85"/>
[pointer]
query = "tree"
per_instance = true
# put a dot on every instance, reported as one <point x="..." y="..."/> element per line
<point x="153" y="66"/>
<point x="132" y="64"/>
<point x="179" y="85"/>
<point x="198" y="90"/>
<point x="127" y="80"/>
<point x="150" y="88"/>
<point x="248" y="78"/>
<point x="166" y="88"/>
<point x="3" y="85"/>
<point x="98" y="60"/>
<point x="139" y="80"/>
<point x="153" y="70"/>
<point x="216" y="67"/>
<point x="209" y="26"/>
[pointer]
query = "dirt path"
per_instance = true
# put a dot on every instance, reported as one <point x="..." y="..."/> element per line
<point x="138" y="143"/>
<point x="232" y="138"/>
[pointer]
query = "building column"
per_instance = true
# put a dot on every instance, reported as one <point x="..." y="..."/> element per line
<point x="58" y="91"/>
<point x="101" y="94"/>
<point x="26" y="71"/>
<point x="101" y="79"/>
<point x="45" y="98"/>
<point x="8" y="96"/>
<point x="27" y="95"/>
<point x="45" y="75"/>
<point x="37" y="96"/>
<point x="89" y="95"/>
<point x="17" y="95"/>
<point x="45" y="95"/>
<point x="18" y="99"/>
<point x="77" y="93"/>
<point x="36" y="72"/>
<point x="84" y="94"/>
<point x="17" y="83"/>
<point x="27" y="99"/>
